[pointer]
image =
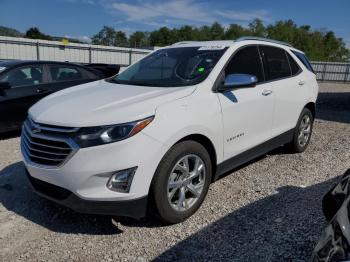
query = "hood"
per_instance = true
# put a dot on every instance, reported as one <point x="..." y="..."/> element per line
<point x="103" y="103"/>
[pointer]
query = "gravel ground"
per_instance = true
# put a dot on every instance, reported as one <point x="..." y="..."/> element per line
<point x="269" y="210"/>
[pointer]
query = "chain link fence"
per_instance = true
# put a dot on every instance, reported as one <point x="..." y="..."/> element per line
<point x="329" y="71"/>
<point x="29" y="49"/>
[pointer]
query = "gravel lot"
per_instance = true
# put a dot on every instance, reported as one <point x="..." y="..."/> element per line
<point x="269" y="210"/>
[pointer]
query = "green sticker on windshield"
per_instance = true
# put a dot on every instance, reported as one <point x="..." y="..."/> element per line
<point x="200" y="70"/>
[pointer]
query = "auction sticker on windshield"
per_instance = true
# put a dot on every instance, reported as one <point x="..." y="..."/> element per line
<point x="211" y="47"/>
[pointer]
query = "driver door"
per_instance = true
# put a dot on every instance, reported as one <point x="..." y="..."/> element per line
<point x="247" y="111"/>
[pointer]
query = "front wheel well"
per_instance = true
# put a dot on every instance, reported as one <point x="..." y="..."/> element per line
<point x="208" y="145"/>
<point x="312" y="107"/>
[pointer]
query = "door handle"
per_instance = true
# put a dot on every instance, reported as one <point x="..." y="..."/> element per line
<point x="301" y="83"/>
<point x="266" y="92"/>
<point x="40" y="90"/>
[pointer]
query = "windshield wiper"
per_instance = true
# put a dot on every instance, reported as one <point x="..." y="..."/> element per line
<point x="113" y="80"/>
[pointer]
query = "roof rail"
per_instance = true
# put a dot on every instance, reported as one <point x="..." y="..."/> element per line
<point x="184" y="42"/>
<point x="262" y="39"/>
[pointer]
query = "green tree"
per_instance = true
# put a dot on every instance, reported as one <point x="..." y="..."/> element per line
<point x="106" y="36"/>
<point x="217" y="32"/>
<point x="34" y="33"/>
<point x="282" y="30"/>
<point x="6" y="31"/>
<point x="185" y="33"/>
<point x="235" y="31"/>
<point x="162" y="37"/>
<point x="139" y="39"/>
<point x="204" y="33"/>
<point x="120" y="39"/>
<point x="257" y="28"/>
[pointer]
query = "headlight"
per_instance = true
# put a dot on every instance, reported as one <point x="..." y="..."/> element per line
<point x="99" y="135"/>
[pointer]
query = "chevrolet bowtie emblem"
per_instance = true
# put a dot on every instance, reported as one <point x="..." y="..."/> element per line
<point x="36" y="129"/>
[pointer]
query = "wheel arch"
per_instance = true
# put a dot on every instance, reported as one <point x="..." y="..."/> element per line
<point x="208" y="145"/>
<point x="312" y="107"/>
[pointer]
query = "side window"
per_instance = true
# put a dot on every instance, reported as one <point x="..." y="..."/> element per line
<point x="87" y="74"/>
<point x="61" y="73"/>
<point x="304" y="60"/>
<point x="24" y="76"/>
<point x="293" y="65"/>
<point x="276" y="62"/>
<point x="246" y="61"/>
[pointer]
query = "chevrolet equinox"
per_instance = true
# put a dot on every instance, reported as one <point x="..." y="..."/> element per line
<point x="153" y="138"/>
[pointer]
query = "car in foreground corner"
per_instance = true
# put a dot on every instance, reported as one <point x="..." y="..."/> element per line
<point x="334" y="244"/>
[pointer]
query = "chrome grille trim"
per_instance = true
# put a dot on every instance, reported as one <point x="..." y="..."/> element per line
<point x="58" y="129"/>
<point x="41" y="151"/>
<point x="49" y="151"/>
<point x="43" y="145"/>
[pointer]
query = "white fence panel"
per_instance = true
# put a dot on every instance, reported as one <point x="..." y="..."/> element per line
<point x="29" y="49"/>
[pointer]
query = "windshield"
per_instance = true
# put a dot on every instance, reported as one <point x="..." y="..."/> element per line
<point x="172" y="67"/>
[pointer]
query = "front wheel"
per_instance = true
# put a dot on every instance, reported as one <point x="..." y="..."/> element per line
<point x="302" y="132"/>
<point x="181" y="181"/>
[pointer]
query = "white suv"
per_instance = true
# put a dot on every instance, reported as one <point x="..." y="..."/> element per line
<point x="155" y="136"/>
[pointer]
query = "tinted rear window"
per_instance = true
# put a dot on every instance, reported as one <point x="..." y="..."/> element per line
<point x="64" y="73"/>
<point x="276" y="62"/>
<point x="293" y="65"/>
<point x="304" y="60"/>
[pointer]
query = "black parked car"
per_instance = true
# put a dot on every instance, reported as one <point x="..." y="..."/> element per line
<point x="23" y="83"/>
<point x="334" y="245"/>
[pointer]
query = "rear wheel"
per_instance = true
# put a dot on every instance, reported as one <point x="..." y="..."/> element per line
<point x="181" y="181"/>
<point x="302" y="132"/>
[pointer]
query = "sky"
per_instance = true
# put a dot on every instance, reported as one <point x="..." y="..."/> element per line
<point x="83" y="18"/>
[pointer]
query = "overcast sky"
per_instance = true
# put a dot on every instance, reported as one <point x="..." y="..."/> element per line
<point x="83" y="18"/>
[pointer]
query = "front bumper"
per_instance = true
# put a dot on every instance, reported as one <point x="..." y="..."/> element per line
<point x="135" y="208"/>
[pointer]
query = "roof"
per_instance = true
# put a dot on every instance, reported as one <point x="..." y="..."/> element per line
<point x="234" y="42"/>
<point x="13" y="63"/>
<point x="246" y="38"/>
<point x="25" y="62"/>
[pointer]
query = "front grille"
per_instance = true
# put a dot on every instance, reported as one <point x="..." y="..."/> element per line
<point x="46" y="145"/>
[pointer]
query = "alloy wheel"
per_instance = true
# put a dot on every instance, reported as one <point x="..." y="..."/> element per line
<point x="186" y="182"/>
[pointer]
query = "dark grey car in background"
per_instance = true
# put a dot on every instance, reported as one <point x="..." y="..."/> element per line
<point x="23" y="83"/>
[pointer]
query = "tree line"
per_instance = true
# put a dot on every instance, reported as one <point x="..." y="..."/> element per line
<point x="319" y="45"/>
<point x="33" y="33"/>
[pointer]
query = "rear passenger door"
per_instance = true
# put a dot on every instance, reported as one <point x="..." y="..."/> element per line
<point x="287" y="84"/>
<point x="28" y="85"/>
<point x="62" y="76"/>
<point x="247" y="111"/>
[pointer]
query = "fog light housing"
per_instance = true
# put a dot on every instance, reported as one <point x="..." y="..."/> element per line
<point x="121" y="180"/>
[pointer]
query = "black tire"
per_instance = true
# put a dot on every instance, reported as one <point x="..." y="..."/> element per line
<point x="295" y="146"/>
<point x="159" y="187"/>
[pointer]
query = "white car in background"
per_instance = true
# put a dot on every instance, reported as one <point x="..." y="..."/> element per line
<point x="155" y="136"/>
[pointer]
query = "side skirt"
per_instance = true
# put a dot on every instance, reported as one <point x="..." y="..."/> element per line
<point x="253" y="153"/>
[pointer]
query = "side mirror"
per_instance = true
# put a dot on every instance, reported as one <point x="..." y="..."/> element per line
<point x="4" y="86"/>
<point x="238" y="80"/>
